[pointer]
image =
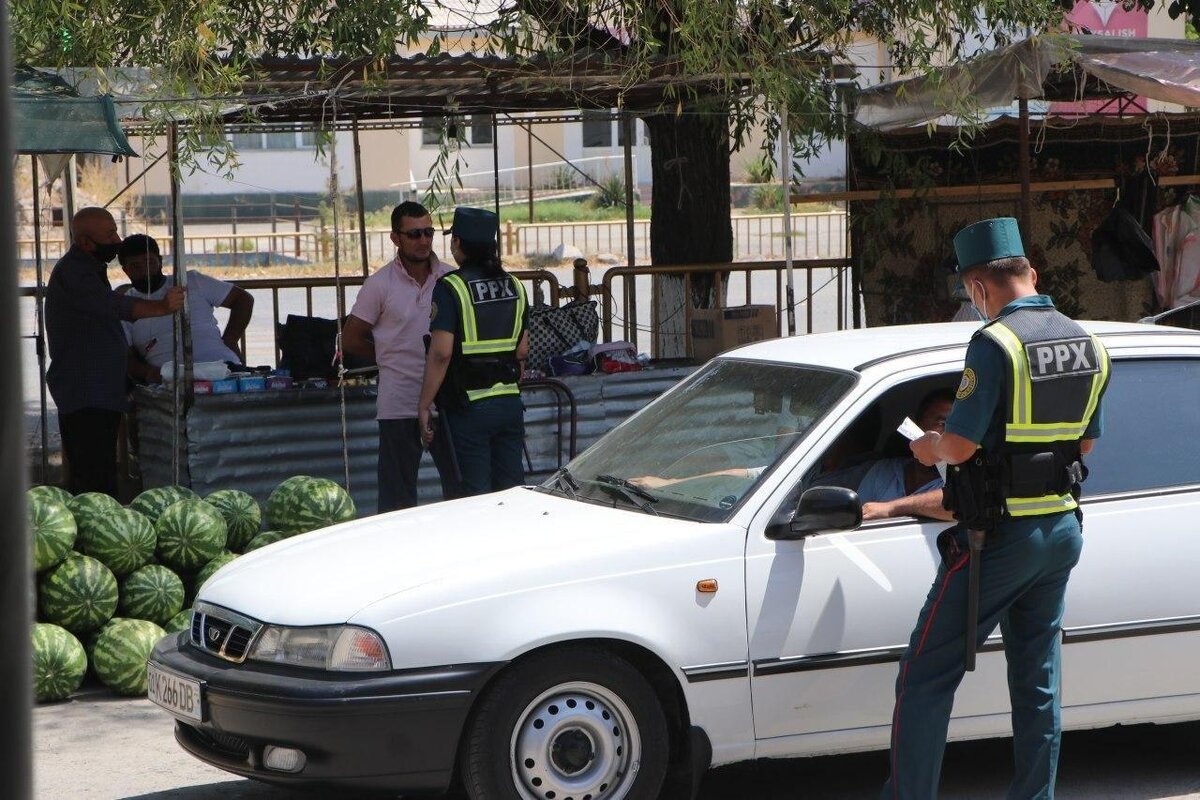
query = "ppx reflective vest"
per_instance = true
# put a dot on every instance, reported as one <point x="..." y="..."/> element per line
<point x="491" y="310"/>
<point x="1057" y="372"/>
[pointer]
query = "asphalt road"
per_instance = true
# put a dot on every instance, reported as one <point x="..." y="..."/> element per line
<point x="99" y="747"/>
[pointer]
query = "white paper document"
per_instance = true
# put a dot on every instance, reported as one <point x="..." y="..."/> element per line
<point x="912" y="431"/>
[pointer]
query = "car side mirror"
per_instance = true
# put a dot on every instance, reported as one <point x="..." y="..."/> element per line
<point x="821" y="508"/>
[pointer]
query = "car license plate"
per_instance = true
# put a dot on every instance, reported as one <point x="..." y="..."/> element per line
<point x="177" y="694"/>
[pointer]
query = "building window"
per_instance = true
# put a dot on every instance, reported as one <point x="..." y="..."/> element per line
<point x="481" y="129"/>
<point x="274" y="140"/>
<point x="597" y="129"/>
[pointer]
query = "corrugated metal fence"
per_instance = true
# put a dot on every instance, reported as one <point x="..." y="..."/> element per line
<point x="253" y="441"/>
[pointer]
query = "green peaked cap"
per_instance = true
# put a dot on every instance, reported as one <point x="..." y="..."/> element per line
<point x="985" y="241"/>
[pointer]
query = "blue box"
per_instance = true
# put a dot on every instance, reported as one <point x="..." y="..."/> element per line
<point x="252" y="383"/>
<point x="225" y="386"/>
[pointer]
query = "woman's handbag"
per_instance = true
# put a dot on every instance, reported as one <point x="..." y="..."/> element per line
<point x="555" y="330"/>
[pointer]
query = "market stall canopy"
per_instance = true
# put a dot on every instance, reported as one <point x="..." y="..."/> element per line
<point x="49" y="116"/>
<point x="1054" y="67"/>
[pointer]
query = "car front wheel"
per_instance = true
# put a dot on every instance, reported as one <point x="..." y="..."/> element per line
<point x="573" y="724"/>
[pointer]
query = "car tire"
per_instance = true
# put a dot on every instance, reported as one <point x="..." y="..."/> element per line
<point x="578" y="723"/>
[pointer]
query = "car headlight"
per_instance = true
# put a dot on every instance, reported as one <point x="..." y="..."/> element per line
<point x="338" y="647"/>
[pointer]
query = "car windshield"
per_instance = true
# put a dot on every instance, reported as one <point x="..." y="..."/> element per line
<point x="696" y="452"/>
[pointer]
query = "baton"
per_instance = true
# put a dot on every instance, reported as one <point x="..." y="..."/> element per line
<point x="975" y="539"/>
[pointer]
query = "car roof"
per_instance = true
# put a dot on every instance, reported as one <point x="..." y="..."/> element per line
<point x="865" y="347"/>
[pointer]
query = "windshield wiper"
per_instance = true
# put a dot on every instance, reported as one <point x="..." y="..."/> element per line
<point x="565" y="482"/>
<point x="629" y="491"/>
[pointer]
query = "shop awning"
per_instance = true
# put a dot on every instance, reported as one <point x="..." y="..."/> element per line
<point x="1056" y="67"/>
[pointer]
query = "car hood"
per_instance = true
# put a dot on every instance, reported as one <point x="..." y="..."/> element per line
<point x="464" y="547"/>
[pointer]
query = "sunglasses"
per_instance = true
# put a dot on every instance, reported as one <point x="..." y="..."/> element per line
<point x="417" y="233"/>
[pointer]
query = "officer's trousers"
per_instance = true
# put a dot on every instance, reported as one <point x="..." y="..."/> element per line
<point x="487" y="436"/>
<point x="1022" y="586"/>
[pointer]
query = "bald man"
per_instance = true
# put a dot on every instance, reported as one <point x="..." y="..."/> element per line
<point x="88" y="349"/>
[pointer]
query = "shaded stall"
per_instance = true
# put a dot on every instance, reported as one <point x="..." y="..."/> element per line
<point x="51" y="123"/>
<point x="917" y="174"/>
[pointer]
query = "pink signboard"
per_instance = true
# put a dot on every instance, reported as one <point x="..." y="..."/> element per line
<point x="1103" y="18"/>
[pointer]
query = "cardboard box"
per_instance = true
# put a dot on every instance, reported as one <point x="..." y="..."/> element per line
<point x="252" y="383"/>
<point x="715" y="330"/>
<point x="225" y="386"/>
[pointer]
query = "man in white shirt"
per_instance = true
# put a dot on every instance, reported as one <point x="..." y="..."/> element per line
<point x="150" y="339"/>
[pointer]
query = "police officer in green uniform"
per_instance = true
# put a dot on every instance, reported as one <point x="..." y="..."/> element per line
<point x="1026" y="413"/>
<point x="478" y="343"/>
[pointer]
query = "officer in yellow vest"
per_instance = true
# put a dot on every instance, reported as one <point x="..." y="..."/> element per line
<point x="1026" y="413"/>
<point x="478" y="343"/>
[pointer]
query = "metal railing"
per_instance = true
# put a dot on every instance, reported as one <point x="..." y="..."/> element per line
<point x="755" y="237"/>
<point x="622" y="320"/>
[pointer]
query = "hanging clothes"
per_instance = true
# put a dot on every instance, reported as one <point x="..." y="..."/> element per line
<point x="1177" y="243"/>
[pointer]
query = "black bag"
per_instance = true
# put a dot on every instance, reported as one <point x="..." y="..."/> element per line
<point x="307" y="346"/>
<point x="1121" y="250"/>
<point x="554" y="331"/>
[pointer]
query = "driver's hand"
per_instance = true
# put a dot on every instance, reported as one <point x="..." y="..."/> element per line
<point x="876" y="511"/>
<point x="652" y="481"/>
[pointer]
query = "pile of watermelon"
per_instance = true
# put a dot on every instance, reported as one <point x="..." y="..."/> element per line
<point x="112" y="581"/>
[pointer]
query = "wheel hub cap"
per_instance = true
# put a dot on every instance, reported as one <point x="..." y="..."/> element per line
<point x="577" y="741"/>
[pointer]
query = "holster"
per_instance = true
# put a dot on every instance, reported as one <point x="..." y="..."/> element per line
<point x="974" y="491"/>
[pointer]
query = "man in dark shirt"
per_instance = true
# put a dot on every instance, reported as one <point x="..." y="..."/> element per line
<point x="88" y="349"/>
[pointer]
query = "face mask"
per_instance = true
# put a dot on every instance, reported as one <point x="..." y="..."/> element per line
<point x="106" y="252"/>
<point x="980" y="310"/>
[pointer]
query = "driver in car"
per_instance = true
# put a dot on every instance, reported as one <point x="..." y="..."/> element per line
<point x="899" y="487"/>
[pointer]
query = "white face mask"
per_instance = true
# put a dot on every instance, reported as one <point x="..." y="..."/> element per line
<point x="980" y="310"/>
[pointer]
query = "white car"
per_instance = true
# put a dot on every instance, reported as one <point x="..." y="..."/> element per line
<point x="591" y="638"/>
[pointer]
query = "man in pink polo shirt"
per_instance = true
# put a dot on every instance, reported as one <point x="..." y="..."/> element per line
<point x="388" y="324"/>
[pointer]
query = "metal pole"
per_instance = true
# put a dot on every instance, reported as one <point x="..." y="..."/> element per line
<point x="362" y="212"/>
<point x="68" y="199"/>
<point x="529" y="140"/>
<point x="496" y="181"/>
<point x="1023" y="168"/>
<point x="15" y="576"/>
<point x="785" y="149"/>
<point x="630" y="238"/>
<point x="182" y="385"/>
<point x="39" y="313"/>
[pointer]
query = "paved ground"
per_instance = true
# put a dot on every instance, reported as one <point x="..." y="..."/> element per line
<point x="98" y="747"/>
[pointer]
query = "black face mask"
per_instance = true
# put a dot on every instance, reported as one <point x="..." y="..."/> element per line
<point x="106" y="252"/>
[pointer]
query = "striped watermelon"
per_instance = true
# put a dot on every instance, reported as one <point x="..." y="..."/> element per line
<point x="190" y="534"/>
<point x="263" y="539"/>
<point x="89" y="509"/>
<point x="153" y="502"/>
<point x="80" y="594"/>
<point x="180" y="622"/>
<point x="53" y="529"/>
<point x="243" y="517"/>
<point x="211" y="568"/>
<point x="59" y="663"/>
<point x="121" y="652"/>
<point x="123" y="541"/>
<point x="152" y="593"/>
<point x="49" y="493"/>
<point x="302" y="504"/>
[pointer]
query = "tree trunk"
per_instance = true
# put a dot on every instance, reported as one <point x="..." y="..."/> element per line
<point x="689" y="215"/>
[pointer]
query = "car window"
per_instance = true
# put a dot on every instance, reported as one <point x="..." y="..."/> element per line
<point x="696" y="452"/>
<point x="1151" y="425"/>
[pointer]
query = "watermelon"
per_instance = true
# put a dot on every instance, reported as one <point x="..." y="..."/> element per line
<point x="80" y="594"/>
<point x="211" y="567"/>
<point x="153" y="502"/>
<point x="50" y="493"/>
<point x="152" y="593"/>
<point x="121" y="652"/>
<point x="123" y="541"/>
<point x="180" y="622"/>
<point x="243" y="517"/>
<point x="89" y="640"/>
<point x="190" y="534"/>
<point x="303" y="504"/>
<point x="263" y="539"/>
<point x="89" y="509"/>
<point x="53" y="529"/>
<point x="59" y="663"/>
